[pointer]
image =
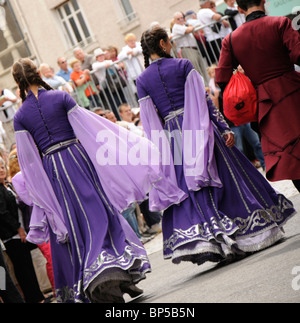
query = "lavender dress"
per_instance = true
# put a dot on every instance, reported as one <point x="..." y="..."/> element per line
<point x="228" y="207"/>
<point x="92" y="245"/>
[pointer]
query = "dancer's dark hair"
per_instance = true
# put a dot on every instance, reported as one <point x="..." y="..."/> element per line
<point x="246" y="4"/>
<point x="151" y="43"/>
<point x="26" y="73"/>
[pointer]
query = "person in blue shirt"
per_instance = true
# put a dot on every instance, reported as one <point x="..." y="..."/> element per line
<point x="65" y="71"/>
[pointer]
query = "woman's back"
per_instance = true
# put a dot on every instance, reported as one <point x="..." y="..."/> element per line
<point x="46" y="118"/>
<point x="165" y="89"/>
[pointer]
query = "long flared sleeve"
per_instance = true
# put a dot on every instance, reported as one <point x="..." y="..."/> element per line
<point x="127" y="164"/>
<point x="39" y="231"/>
<point x="217" y="117"/>
<point x="166" y="192"/>
<point x="198" y="136"/>
<point x="46" y="210"/>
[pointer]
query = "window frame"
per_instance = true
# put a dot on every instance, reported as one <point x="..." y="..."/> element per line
<point x="76" y="31"/>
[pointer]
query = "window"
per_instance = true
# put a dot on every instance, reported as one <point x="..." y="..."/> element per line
<point x="127" y="9"/>
<point x="75" y="27"/>
<point x="128" y="18"/>
<point x="12" y="41"/>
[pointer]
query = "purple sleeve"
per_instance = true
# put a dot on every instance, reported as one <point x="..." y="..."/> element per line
<point x="140" y="90"/>
<point x="188" y="67"/>
<point x="47" y="210"/>
<point x="200" y="167"/>
<point x="69" y="102"/>
<point x="113" y="150"/>
<point x="17" y="123"/>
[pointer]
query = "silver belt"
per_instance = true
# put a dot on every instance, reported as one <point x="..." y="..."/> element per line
<point x="60" y="145"/>
<point x="173" y="114"/>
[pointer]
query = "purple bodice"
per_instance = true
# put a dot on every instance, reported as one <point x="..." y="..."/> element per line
<point x="166" y="89"/>
<point x="46" y="119"/>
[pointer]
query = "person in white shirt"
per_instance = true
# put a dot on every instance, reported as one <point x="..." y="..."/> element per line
<point x="100" y="66"/>
<point x="103" y="69"/>
<point x="132" y="51"/>
<point x="236" y="19"/>
<point x="55" y="81"/>
<point x="186" y="44"/>
<point x="7" y="113"/>
<point x="133" y="60"/>
<point x="127" y="122"/>
<point x="207" y="15"/>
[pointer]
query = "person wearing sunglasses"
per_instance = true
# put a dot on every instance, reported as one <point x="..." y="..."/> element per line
<point x="65" y="71"/>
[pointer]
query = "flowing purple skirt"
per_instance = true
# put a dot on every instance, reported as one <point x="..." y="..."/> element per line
<point x="245" y="215"/>
<point x="102" y="247"/>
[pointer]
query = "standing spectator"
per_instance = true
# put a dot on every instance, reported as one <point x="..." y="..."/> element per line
<point x="86" y="61"/>
<point x="11" y="294"/>
<point x="7" y="101"/>
<point x="277" y="83"/>
<point x="111" y="93"/>
<point x="191" y="19"/>
<point x="214" y="90"/>
<point x="99" y="111"/>
<point x="56" y="82"/>
<point x="99" y="67"/>
<point x="131" y="51"/>
<point x="26" y="210"/>
<point x="64" y="71"/>
<point x="245" y="132"/>
<point x="127" y="118"/>
<point x="188" y="44"/>
<point x="109" y="115"/>
<point x="85" y="88"/>
<point x="236" y="19"/>
<point x="14" y="238"/>
<point x="113" y="55"/>
<point x="206" y="15"/>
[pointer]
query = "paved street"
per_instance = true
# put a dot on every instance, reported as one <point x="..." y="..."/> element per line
<point x="265" y="276"/>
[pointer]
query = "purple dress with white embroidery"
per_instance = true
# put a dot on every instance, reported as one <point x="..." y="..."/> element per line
<point x="229" y="208"/>
<point x="92" y="245"/>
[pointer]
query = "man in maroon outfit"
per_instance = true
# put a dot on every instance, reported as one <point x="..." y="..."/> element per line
<point x="267" y="48"/>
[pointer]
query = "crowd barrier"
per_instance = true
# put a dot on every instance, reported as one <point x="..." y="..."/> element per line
<point x="119" y="88"/>
<point x="206" y="52"/>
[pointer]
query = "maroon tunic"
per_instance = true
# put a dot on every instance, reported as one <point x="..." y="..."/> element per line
<point x="267" y="48"/>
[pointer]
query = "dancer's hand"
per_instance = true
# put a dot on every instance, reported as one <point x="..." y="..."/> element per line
<point x="230" y="141"/>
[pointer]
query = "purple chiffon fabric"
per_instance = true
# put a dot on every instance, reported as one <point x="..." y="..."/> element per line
<point x="200" y="170"/>
<point x="124" y="178"/>
<point x="43" y="196"/>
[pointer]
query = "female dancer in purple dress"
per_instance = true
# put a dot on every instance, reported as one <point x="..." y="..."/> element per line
<point x="76" y="198"/>
<point x="225" y="206"/>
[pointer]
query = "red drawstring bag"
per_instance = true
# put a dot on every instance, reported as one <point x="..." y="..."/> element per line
<point x="239" y="97"/>
<point x="240" y="100"/>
